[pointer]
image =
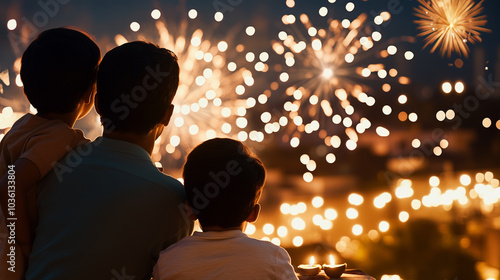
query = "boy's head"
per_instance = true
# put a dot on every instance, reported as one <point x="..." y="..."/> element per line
<point x="223" y="182"/>
<point x="58" y="69"/>
<point x="136" y="84"/>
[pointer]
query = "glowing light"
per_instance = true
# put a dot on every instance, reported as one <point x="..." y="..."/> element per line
<point x="285" y="208"/>
<point x="409" y="55"/>
<point x="382" y="131"/>
<point x="434" y="181"/>
<point x="446" y="87"/>
<point x="250" y="30"/>
<point x="308" y="177"/>
<point x="486" y="122"/>
<point x="404" y="189"/>
<point x="450" y="114"/>
<point x="392" y="49"/>
<point x="323" y="11"/>
<point x="192" y="14"/>
<point x="250" y="229"/>
<point x="298" y="241"/>
<point x="352" y="213"/>
<point x="404" y="216"/>
<point x="298" y="223"/>
<point x="415" y="143"/>
<point x="317" y="219"/>
<point x="19" y="82"/>
<point x="135" y="26"/>
<point x="11" y="24"/>
<point x="357" y="229"/>
<point x="450" y="24"/>
<point x="465" y="180"/>
<point x="326" y="225"/>
<point x="349" y="7"/>
<point x="440" y="115"/>
<point x="387" y="110"/>
<point x="331" y="214"/>
<point x="268" y="229"/>
<point x="413" y="117"/>
<point x="155" y="14"/>
<point x="327" y="73"/>
<point x="416" y="204"/>
<point x="304" y="159"/>
<point x="459" y="87"/>
<point x="402" y="99"/>
<point x="355" y="199"/>
<point x="317" y="201"/>
<point x="219" y="16"/>
<point x="383" y="226"/>
<point x="282" y="231"/>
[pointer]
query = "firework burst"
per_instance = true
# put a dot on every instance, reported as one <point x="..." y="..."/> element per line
<point x="214" y="80"/>
<point x="450" y="24"/>
<point x="328" y="74"/>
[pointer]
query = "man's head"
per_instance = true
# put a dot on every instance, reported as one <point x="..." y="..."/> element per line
<point x="58" y="70"/>
<point x="136" y="84"/>
<point x="223" y="182"/>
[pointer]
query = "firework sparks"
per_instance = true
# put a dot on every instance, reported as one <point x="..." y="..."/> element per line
<point x="214" y="79"/>
<point x="451" y="24"/>
<point x="326" y="72"/>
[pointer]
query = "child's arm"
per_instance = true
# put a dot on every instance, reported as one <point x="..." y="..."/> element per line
<point x="26" y="176"/>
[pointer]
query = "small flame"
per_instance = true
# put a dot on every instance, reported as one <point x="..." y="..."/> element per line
<point x="332" y="262"/>
<point x="312" y="261"/>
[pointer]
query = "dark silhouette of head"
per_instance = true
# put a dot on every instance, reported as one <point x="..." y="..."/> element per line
<point x="136" y="84"/>
<point x="223" y="181"/>
<point x="58" y="68"/>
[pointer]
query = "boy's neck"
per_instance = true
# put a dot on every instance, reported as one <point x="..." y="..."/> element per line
<point x="68" y="118"/>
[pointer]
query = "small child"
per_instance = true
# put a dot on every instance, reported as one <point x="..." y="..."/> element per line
<point x="223" y="182"/>
<point x="58" y="70"/>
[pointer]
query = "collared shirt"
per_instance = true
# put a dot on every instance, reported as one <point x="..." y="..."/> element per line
<point x="223" y="255"/>
<point x="105" y="211"/>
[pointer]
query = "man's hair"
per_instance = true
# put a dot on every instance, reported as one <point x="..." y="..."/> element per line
<point x="136" y="84"/>
<point x="223" y="181"/>
<point x="58" y="68"/>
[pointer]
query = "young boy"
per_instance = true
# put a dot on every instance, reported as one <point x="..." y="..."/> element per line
<point x="223" y="182"/>
<point x="58" y="70"/>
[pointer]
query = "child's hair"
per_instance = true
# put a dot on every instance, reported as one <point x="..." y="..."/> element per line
<point x="136" y="84"/>
<point x="58" y="68"/>
<point x="223" y="181"/>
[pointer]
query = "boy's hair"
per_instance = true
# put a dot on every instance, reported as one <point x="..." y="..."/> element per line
<point x="136" y="84"/>
<point x="58" y="68"/>
<point x="223" y="181"/>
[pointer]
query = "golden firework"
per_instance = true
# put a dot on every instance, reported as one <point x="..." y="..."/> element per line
<point x="450" y="24"/>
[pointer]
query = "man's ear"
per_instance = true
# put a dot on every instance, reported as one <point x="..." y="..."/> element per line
<point x="254" y="214"/>
<point x="168" y="114"/>
<point x="190" y="212"/>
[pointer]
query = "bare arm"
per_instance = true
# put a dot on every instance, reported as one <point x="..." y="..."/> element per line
<point x="20" y="191"/>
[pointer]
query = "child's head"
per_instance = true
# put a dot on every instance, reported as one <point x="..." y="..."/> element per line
<point x="58" y="70"/>
<point x="136" y="84"/>
<point x="223" y="182"/>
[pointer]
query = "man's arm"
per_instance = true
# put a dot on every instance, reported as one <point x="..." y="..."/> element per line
<point x="20" y="191"/>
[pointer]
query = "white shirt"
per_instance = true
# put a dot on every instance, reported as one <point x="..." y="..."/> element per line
<point x="223" y="255"/>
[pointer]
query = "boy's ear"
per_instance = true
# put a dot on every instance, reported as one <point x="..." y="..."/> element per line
<point x="168" y="114"/>
<point x="88" y="97"/>
<point x="254" y="214"/>
<point x="95" y="104"/>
